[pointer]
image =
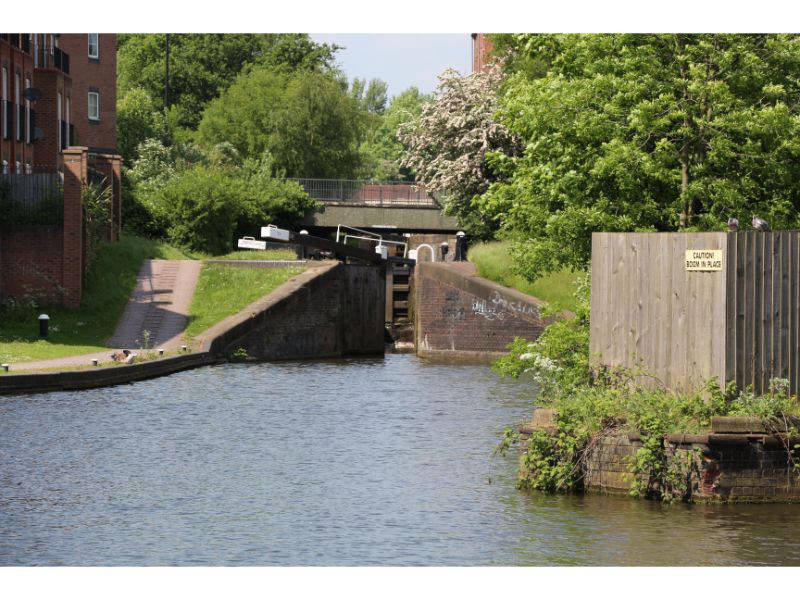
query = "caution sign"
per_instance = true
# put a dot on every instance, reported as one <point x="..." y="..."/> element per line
<point x="704" y="260"/>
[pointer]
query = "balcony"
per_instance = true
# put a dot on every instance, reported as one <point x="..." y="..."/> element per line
<point x="53" y="58"/>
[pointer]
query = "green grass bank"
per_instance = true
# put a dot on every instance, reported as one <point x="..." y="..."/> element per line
<point x="494" y="262"/>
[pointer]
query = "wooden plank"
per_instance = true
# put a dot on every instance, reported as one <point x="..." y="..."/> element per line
<point x="389" y="310"/>
<point x="749" y="286"/>
<point x="731" y="292"/>
<point x="785" y="308"/>
<point x="597" y="291"/>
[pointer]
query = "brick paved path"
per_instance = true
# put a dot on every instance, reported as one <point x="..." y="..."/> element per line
<point x="159" y="304"/>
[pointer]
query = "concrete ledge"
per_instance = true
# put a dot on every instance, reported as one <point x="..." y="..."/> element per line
<point x="466" y="357"/>
<point x="101" y="376"/>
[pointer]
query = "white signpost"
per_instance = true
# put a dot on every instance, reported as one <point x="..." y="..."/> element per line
<point x="704" y="260"/>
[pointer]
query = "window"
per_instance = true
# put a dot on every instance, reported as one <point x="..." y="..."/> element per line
<point x="94" y="45"/>
<point x="94" y="106"/>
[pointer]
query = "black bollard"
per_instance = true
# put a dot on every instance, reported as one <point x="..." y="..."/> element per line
<point x="444" y="247"/>
<point x="461" y="246"/>
<point x="44" y="323"/>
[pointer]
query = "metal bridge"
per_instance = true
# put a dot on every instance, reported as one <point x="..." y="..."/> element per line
<point x="398" y="205"/>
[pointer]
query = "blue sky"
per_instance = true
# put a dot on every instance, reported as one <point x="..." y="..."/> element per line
<point x="401" y="59"/>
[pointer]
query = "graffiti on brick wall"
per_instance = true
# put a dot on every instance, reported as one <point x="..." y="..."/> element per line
<point x="451" y="311"/>
<point x="497" y="308"/>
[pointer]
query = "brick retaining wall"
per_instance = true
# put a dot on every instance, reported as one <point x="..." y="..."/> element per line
<point x="729" y="467"/>
<point x="459" y="313"/>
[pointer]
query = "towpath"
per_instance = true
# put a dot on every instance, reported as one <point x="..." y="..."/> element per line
<point x="156" y="315"/>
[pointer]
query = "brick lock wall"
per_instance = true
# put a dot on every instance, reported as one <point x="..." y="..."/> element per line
<point x="338" y="312"/>
<point x="740" y="472"/>
<point x="458" y="312"/>
<point x="96" y="75"/>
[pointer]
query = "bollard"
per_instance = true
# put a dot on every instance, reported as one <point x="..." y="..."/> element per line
<point x="302" y="248"/>
<point x="5" y="367"/>
<point x="94" y="362"/>
<point x="44" y="323"/>
<point x="183" y="348"/>
<point x="444" y="248"/>
<point x="461" y="246"/>
<point x="161" y="352"/>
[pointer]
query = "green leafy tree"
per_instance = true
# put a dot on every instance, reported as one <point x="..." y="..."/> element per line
<point x="381" y="150"/>
<point x="203" y="65"/>
<point x="307" y="122"/>
<point x="449" y="145"/>
<point x="646" y="132"/>
<point x="138" y="119"/>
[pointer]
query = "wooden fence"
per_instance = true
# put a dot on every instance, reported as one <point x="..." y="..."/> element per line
<point x="730" y="315"/>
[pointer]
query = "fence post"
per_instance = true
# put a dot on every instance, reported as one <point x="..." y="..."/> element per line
<point x="76" y="164"/>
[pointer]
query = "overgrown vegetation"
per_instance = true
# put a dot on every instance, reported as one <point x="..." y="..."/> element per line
<point x="590" y="405"/>
<point x="223" y="291"/>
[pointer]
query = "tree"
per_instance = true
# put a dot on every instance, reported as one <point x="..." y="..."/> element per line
<point x="203" y="65"/>
<point x="381" y="150"/>
<point x="449" y="144"/>
<point x="646" y="132"/>
<point x="137" y="120"/>
<point x="307" y="122"/>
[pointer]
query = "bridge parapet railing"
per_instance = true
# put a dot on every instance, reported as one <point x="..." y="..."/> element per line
<point x="367" y="193"/>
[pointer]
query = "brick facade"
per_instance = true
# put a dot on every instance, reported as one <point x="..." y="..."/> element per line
<point x="96" y="75"/>
<point x="49" y="262"/>
<point x="482" y="48"/>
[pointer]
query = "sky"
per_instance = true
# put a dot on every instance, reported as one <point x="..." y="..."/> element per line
<point x="401" y="59"/>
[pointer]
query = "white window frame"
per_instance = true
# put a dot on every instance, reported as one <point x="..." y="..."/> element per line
<point x="96" y="117"/>
<point x="96" y="45"/>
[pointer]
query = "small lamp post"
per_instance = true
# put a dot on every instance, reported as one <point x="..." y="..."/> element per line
<point x="444" y="248"/>
<point x="44" y="325"/>
<point x="301" y="250"/>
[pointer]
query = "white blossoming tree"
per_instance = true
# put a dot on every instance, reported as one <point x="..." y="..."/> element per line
<point x="450" y="145"/>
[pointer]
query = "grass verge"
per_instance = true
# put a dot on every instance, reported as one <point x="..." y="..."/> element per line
<point x="493" y="262"/>
<point x="258" y="255"/>
<point x="223" y="291"/>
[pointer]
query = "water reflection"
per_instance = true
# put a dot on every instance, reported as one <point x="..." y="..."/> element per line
<point x="354" y="462"/>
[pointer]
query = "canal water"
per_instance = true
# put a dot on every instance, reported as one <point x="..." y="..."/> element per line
<point x="380" y="461"/>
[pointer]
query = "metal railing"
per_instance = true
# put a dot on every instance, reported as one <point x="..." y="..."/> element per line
<point x="367" y="193"/>
<point x="31" y="199"/>
<point x="52" y="58"/>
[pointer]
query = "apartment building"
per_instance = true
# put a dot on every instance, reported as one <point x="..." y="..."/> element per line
<point x="58" y="90"/>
